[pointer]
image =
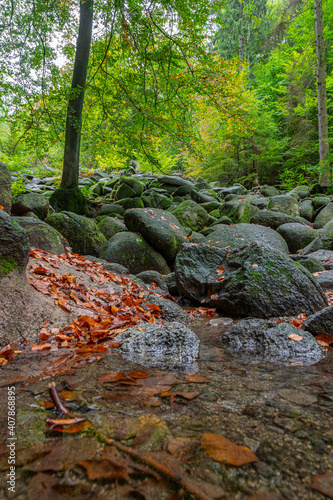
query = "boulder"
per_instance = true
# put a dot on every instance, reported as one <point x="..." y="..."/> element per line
<point x="109" y="227"/>
<point x="30" y="202"/>
<point x="311" y="264"/>
<point x="239" y="235"/>
<point x="133" y="252"/>
<point x="14" y="246"/>
<point x="171" y="345"/>
<point x="307" y="210"/>
<point x="297" y="236"/>
<point x="5" y="188"/>
<point x="149" y="277"/>
<point x="42" y="235"/>
<point x="325" y="279"/>
<point x="159" y="228"/>
<point x="320" y="322"/>
<point x="255" y="280"/>
<point x="111" y="210"/>
<point x="269" y="191"/>
<point x="170" y="310"/>
<point x="324" y="256"/>
<point x="284" y="203"/>
<point x="239" y="211"/>
<point x="191" y="215"/>
<point x="233" y="190"/>
<point x="269" y="341"/>
<point x="320" y="201"/>
<point x="271" y="219"/>
<point x="197" y="238"/>
<point x="171" y="282"/>
<point x="324" y="216"/>
<point x="127" y="187"/>
<point x="174" y="181"/>
<point x="81" y="233"/>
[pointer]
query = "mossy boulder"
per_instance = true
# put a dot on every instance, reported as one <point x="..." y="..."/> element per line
<point x="239" y="211"/>
<point x="242" y="234"/>
<point x="111" y="210"/>
<point x="297" y="236"/>
<point x="30" y="202"/>
<point x="191" y="215"/>
<point x="42" y="235"/>
<point x="128" y="187"/>
<point x="255" y="280"/>
<point x="14" y="246"/>
<point x="173" y="180"/>
<point x="307" y="209"/>
<point x="159" y="228"/>
<point x="109" y="227"/>
<point x="5" y="188"/>
<point x="272" y="219"/>
<point x="128" y="203"/>
<point x="324" y="216"/>
<point x="284" y="203"/>
<point x="81" y="233"/>
<point x="320" y="322"/>
<point x="133" y="252"/>
<point x="269" y="191"/>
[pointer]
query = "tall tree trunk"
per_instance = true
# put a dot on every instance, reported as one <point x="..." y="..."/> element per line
<point x="325" y="176"/>
<point x="240" y="36"/>
<point x="70" y="173"/>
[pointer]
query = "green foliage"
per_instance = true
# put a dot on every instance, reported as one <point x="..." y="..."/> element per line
<point x="18" y="187"/>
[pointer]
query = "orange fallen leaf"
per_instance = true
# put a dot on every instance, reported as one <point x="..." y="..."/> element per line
<point x="254" y="265"/>
<point x="222" y="450"/>
<point x="295" y="337"/>
<point x="138" y="374"/>
<point x="111" y="377"/>
<point x="214" y="296"/>
<point x="220" y="270"/>
<point x="196" y="378"/>
<point x="70" y="425"/>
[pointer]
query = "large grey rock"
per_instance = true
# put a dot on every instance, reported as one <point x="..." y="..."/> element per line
<point x="191" y="215"/>
<point x="325" y="257"/>
<point x="30" y="202"/>
<point x="171" y="345"/>
<point x="320" y="322"/>
<point x="255" y="280"/>
<point x="269" y="191"/>
<point x="284" y="203"/>
<point x="268" y="341"/>
<point x="160" y="229"/>
<point x="5" y="188"/>
<point x="127" y="187"/>
<point x="42" y="235"/>
<point x="133" y="252"/>
<point x="239" y="235"/>
<point x="325" y="279"/>
<point x="14" y="246"/>
<point x="149" y="277"/>
<point x="233" y="190"/>
<point x="272" y="219"/>
<point x="174" y="181"/>
<point x="81" y="233"/>
<point x="297" y="236"/>
<point x="324" y="216"/>
<point x="111" y="210"/>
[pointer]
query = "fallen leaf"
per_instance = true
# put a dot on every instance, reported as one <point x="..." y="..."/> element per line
<point x="222" y="450"/>
<point x="110" y="377"/>
<point x="220" y="270"/>
<point x="295" y="337"/>
<point x="254" y="265"/>
<point x="184" y="395"/>
<point x="214" y="296"/>
<point x="323" y="483"/>
<point x="104" y="469"/>
<point x="138" y="374"/>
<point x="70" y="425"/>
<point x="196" y="378"/>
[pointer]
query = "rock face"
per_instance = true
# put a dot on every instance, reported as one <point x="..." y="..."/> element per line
<point x="240" y="234"/>
<point x="272" y="219"/>
<point x="324" y="216"/>
<point x="82" y="233"/>
<point x="269" y="341"/>
<point x="296" y="235"/>
<point x="320" y="322"/>
<point x="160" y="229"/>
<point x="41" y="235"/>
<point x="30" y="202"/>
<point x="133" y="252"/>
<point x="254" y="280"/>
<point x="109" y="227"/>
<point x="191" y="215"/>
<point x="5" y="188"/>
<point x="171" y="345"/>
<point x="14" y="246"/>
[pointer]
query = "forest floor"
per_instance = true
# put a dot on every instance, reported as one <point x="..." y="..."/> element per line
<point x="283" y="413"/>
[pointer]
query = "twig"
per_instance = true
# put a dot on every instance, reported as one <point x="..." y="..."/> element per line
<point x="158" y="467"/>
<point x="56" y="400"/>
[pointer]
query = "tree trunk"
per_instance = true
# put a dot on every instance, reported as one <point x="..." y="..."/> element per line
<point x="325" y="176"/>
<point x="240" y="36"/>
<point x="70" y="173"/>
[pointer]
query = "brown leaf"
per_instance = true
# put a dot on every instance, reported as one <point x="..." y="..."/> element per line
<point x="41" y="346"/>
<point x="110" y="377"/>
<point x="70" y="425"/>
<point x="295" y="337"/>
<point x="222" y="450"/>
<point x="138" y="374"/>
<point x="324" y="483"/>
<point x="184" y="395"/>
<point x="104" y="469"/>
<point x="196" y="378"/>
<point x="214" y="296"/>
<point x="220" y="270"/>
